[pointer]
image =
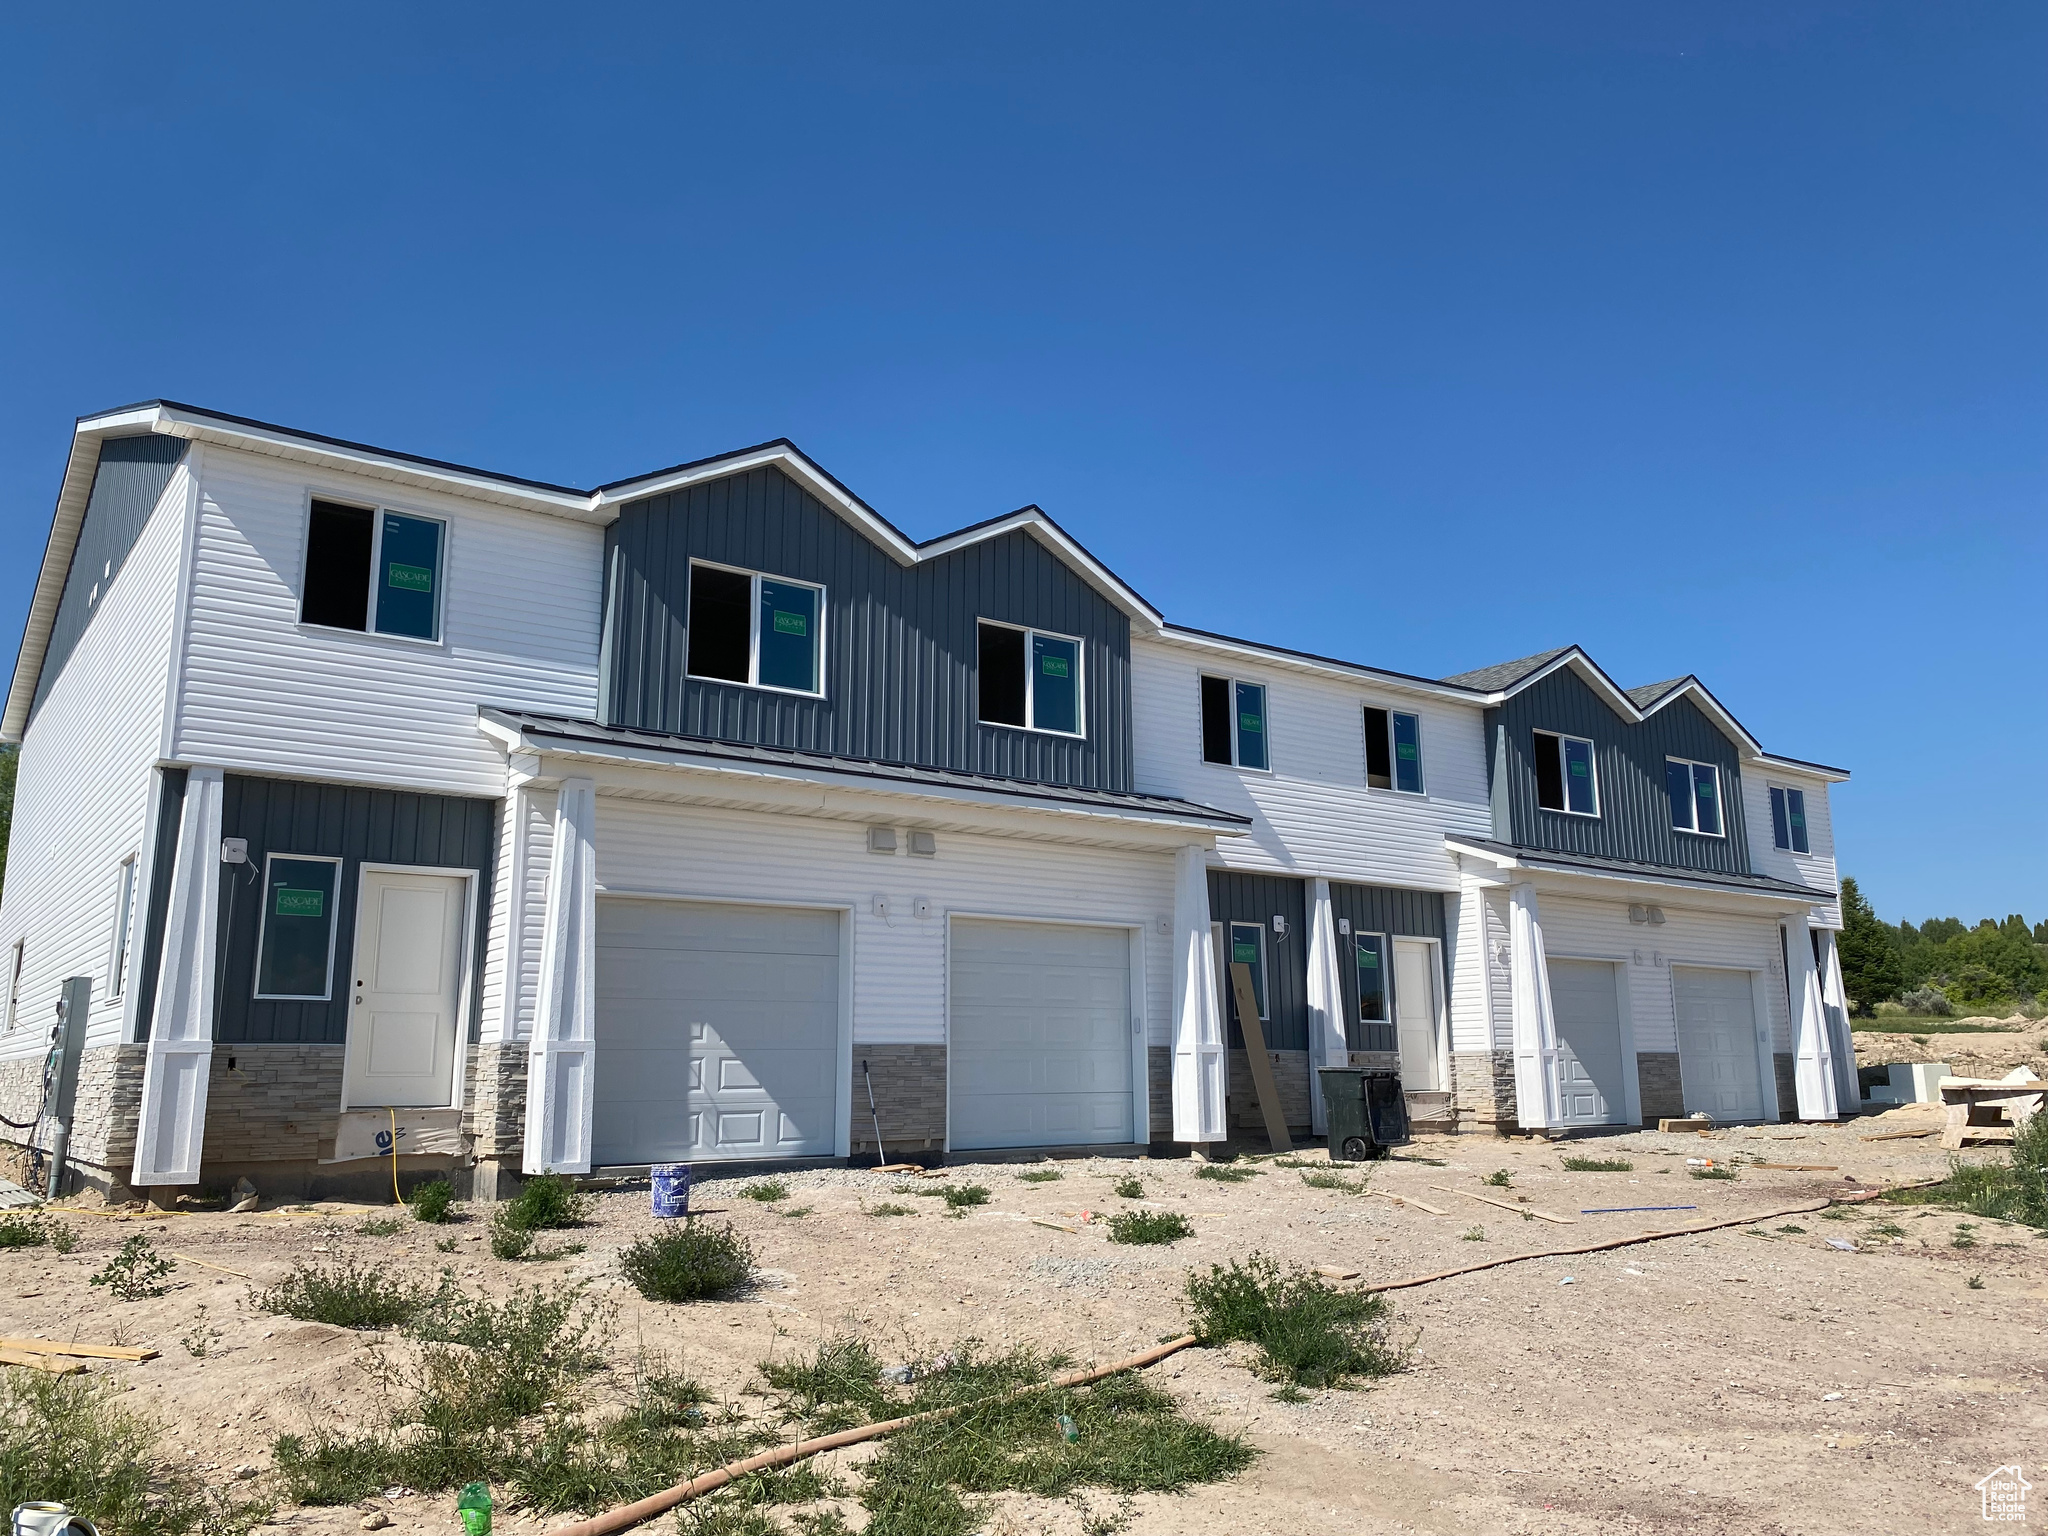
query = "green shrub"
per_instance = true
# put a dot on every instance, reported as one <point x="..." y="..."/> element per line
<point x="766" y="1191"/>
<point x="2012" y="1189"/>
<point x="1149" y="1227"/>
<point x="73" y="1439"/>
<point x="686" y="1262"/>
<point x="961" y="1195"/>
<point x="1711" y="1173"/>
<point x="1128" y="1188"/>
<point x="379" y="1226"/>
<point x="1474" y="1234"/>
<point x="1308" y="1333"/>
<point x="430" y="1201"/>
<point x="26" y="1229"/>
<point x="1599" y="1165"/>
<point x="845" y="1371"/>
<point x="1334" y="1181"/>
<point x="545" y="1201"/>
<point x="137" y="1272"/>
<point x="1500" y="1179"/>
<point x="1226" y="1173"/>
<point x="345" y="1295"/>
<point x="1041" y="1175"/>
<point x="509" y="1241"/>
<point x="891" y="1208"/>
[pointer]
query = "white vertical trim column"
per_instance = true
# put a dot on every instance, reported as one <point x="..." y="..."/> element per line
<point x="171" y="1129"/>
<point x="1813" y="1057"/>
<point x="1848" y="1089"/>
<point x="1198" y="1061"/>
<point x="1536" y="1091"/>
<point x="1327" y="1046"/>
<point x="562" y="1061"/>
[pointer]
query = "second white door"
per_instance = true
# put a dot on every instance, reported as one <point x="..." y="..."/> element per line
<point x="406" y="990"/>
<point x="1415" y="1014"/>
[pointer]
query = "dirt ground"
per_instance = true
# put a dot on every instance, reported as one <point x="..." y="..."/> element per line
<point x="1739" y="1381"/>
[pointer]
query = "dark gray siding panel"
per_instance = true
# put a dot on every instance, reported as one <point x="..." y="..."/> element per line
<point x="132" y="474"/>
<point x="170" y="809"/>
<point x="900" y="647"/>
<point x="1235" y="898"/>
<point x="1390" y="910"/>
<point x="379" y="825"/>
<point x="1635" y="816"/>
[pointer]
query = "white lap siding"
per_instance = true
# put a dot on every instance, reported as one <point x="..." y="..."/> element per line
<point x="1736" y="941"/>
<point x="82" y="798"/>
<point x="264" y="694"/>
<point x="1313" y="812"/>
<point x="518" y="916"/>
<point x="1815" y="867"/>
<point x="899" y="961"/>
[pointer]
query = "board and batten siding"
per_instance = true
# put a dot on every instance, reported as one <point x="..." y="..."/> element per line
<point x="1236" y="897"/>
<point x="128" y="482"/>
<point x="899" y="961"/>
<point x="1594" y="930"/>
<point x="1815" y="868"/>
<point x="899" y="643"/>
<point x="380" y="826"/>
<point x="83" y="791"/>
<point x="1635" y="812"/>
<point x="265" y="694"/>
<point x="1398" y="914"/>
<point x="1313" y="813"/>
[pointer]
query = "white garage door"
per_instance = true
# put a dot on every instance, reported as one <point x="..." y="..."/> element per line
<point x="1589" y="1065"/>
<point x="1041" y="1035"/>
<point x="1717" y="1043"/>
<point x="717" y="1032"/>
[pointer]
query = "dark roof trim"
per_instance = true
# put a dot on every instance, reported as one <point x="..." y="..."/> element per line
<point x="1544" y="858"/>
<point x="590" y="733"/>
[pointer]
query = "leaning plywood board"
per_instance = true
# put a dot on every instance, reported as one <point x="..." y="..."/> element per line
<point x="1261" y="1063"/>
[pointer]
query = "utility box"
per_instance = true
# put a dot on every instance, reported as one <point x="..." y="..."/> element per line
<point x="1367" y="1112"/>
<point x="1913" y="1082"/>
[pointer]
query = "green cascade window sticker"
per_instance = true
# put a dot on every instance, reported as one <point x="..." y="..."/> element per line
<point x="1706" y="787"/>
<point x="1405" y="751"/>
<point x="1578" y="768"/>
<point x="1250" y="723"/>
<point x="409" y="578"/>
<point x="1053" y="666"/>
<point x="291" y="903"/>
<point x="1242" y="953"/>
<point x="791" y="623"/>
<point x="1368" y="957"/>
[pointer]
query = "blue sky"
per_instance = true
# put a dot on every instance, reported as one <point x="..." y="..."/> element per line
<point x="1708" y="336"/>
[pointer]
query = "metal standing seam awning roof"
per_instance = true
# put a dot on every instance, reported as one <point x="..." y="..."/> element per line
<point x="1665" y="874"/>
<point x="589" y="736"/>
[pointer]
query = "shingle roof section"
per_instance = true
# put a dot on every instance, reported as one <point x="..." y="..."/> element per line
<point x="1650" y="693"/>
<point x="1504" y="674"/>
<point x="589" y="733"/>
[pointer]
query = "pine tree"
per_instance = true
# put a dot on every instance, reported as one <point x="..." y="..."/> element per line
<point x="1871" y="968"/>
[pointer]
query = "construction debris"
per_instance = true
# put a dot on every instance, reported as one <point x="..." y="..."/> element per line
<point x="1423" y="1205"/>
<point x="45" y="1363"/>
<point x="1509" y="1205"/>
<point x="72" y="1347"/>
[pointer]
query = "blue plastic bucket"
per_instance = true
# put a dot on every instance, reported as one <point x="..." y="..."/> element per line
<point x="671" y="1189"/>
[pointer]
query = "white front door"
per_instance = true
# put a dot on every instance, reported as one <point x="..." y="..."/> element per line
<point x="1040" y="1048"/>
<point x="1415" y="1014"/>
<point x="406" y="990"/>
<point x="1589" y="1059"/>
<point x="717" y="1032"/>
<point x="1717" y="1046"/>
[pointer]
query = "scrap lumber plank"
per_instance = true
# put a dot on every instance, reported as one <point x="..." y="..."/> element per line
<point x="71" y="1347"/>
<point x="1509" y="1205"/>
<point x="1932" y="1130"/>
<point x="1801" y="1167"/>
<point x="1255" y="1053"/>
<point x="1387" y="1194"/>
<point x="222" y="1268"/>
<point x="1700" y="1126"/>
<point x="36" y="1362"/>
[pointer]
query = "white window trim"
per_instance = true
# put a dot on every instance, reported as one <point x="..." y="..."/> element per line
<point x="263" y="923"/>
<point x="1693" y="802"/>
<point x="1264" y="979"/>
<point x="1788" y="846"/>
<point x="120" y="953"/>
<point x="1030" y="701"/>
<point x="754" y="630"/>
<point x="1421" y="754"/>
<point x="1564" y="776"/>
<point x="17" y="964"/>
<point x="1231" y="683"/>
<point x="370" y="631"/>
<point x="1386" y="973"/>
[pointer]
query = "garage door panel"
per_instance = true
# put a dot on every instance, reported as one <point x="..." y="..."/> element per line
<point x="1717" y="1054"/>
<point x="1587" y="1010"/>
<point x="717" y="1032"/>
<point x="1040" y="1050"/>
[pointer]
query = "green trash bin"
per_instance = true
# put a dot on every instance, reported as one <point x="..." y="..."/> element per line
<point x="1367" y="1114"/>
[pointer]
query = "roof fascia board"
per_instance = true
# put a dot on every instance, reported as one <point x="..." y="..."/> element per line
<point x="516" y="739"/>
<point x="1819" y="771"/>
<point x="73" y="492"/>
<point x="1589" y="672"/>
<point x="791" y="462"/>
<point x="1350" y="672"/>
<point x="1704" y="886"/>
